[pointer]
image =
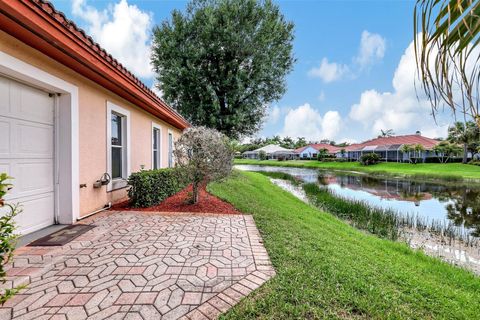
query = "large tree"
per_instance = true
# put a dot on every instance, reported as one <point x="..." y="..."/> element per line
<point x="223" y="61"/>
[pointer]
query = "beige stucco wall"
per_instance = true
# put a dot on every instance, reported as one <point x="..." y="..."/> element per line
<point x="93" y="127"/>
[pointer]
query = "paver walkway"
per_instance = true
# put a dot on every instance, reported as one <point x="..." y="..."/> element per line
<point x="137" y="265"/>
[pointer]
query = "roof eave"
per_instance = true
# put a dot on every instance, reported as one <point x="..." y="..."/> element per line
<point x="38" y="25"/>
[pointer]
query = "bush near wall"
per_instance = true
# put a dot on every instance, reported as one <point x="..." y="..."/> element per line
<point x="474" y="162"/>
<point x="369" y="159"/>
<point x="150" y="187"/>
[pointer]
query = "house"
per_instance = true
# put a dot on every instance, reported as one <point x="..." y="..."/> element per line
<point x="74" y="122"/>
<point x="390" y="148"/>
<point x="311" y="151"/>
<point x="272" y="151"/>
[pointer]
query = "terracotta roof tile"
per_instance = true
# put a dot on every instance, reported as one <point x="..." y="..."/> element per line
<point x="68" y="24"/>
<point x="428" y="143"/>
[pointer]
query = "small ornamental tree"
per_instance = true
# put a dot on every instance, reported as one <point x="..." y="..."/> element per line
<point x="445" y="150"/>
<point x="262" y="155"/>
<point x="407" y="149"/>
<point x="204" y="155"/>
<point x="418" y="150"/>
<point x="322" y="153"/>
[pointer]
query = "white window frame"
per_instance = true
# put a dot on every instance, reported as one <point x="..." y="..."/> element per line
<point x="157" y="126"/>
<point x="119" y="182"/>
<point x="172" y="164"/>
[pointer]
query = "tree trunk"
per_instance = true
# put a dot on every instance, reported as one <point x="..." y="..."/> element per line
<point x="195" y="193"/>
<point x="465" y="152"/>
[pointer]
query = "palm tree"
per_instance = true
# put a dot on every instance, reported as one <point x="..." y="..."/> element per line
<point x="446" y="53"/>
<point x="386" y="133"/>
<point x="407" y="149"/>
<point x="418" y="149"/>
<point x="463" y="133"/>
<point x="444" y="150"/>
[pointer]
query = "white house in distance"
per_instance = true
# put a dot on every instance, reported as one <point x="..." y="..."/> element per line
<point x="272" y="151"/>
<point x="311" y="151"/>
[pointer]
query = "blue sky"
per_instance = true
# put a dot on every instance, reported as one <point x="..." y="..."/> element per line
<point x="354" y="73"/>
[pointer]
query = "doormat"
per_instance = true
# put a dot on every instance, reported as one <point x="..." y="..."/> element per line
<point x="63" y="236"/>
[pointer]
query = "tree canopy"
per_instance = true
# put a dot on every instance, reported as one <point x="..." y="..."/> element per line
<point x="222" y="62"/>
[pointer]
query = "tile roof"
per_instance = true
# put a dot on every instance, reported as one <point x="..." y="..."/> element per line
<point x="427" y="143"/>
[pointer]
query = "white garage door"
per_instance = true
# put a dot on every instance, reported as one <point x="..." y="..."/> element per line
<point x="27" y="151"/>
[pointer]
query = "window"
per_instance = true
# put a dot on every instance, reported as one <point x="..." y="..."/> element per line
<point x="118" y="145"/>
<point x="170" y="149"/>
<point x="156" y="147"/>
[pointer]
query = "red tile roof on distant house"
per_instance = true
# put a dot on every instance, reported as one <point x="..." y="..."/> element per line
<point x="319" y="146"/>
<point x="411" y="139"/>
<point x="38" y="24"/>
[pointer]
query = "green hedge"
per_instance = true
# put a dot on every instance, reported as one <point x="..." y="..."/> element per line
<point x="150" y="187"/>
<point x="369" y="159"/>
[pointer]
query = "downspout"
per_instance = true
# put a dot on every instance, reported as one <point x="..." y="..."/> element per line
<point x="106" y="207"/>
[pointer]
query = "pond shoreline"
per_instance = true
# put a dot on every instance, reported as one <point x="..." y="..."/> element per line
<point x="455" y="252"/>
<point x="375" y="170"/>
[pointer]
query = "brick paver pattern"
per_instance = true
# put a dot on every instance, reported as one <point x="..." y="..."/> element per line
<point x="136" y="265"/>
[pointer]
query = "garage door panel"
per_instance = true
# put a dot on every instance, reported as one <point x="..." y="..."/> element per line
<point x="33" y="140"/>
<point x="4" y="93"/>
<point x="31" y="104"/>
<point x="27" y="152"/>
<point x="33" y="177"/>
<point x="5" y="134"/>
<point x="33" y="215"/>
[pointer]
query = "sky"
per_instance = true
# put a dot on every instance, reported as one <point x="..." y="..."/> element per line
<point x="354" y="73"/>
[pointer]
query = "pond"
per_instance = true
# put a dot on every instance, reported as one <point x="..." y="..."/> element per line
<point x="443" y="203"/>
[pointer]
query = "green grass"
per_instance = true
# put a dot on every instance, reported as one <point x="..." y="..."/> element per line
<point x="328" y="269"/>
<point x="447" y="171"/>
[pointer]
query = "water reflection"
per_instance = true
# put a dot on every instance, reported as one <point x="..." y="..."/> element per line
<point x="458" y="204"/>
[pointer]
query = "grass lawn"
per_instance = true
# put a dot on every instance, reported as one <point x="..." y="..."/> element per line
<point x="326" y="268"/>
<point x="434" y="170"/>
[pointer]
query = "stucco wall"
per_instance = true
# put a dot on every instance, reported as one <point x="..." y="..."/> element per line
<point x="93" y="127"/>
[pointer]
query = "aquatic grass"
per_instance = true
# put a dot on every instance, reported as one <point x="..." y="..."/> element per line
<point x="378" y="221"/>
<point x="282" y="176"/>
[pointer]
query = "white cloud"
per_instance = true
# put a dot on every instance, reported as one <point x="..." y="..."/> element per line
<point x="273" y="114"/>
<point x="123" y="30"/>
<point x="156" y="89"/>
<point x="372" y="48"/>
<point x="304" y="121"/>
<point x="321" y="96"/>
<point x="400" y="109"/>
<point x="329" y="71"/>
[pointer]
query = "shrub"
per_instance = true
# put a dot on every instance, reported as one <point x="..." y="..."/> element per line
<point x="369" y="159"/>
<point x="262" y="155"/>
<point x="8" y="238"/>
<point x="474" y="162"/>
<point x="150" y="187"/>
<point x="204" y="155"/>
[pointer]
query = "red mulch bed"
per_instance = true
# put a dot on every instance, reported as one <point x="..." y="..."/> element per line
<point x="207" y="203"/>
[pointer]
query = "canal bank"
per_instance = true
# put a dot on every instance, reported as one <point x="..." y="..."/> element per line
<point x="442" y="220"/>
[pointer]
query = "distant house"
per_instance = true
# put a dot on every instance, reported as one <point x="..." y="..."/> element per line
<point x="272" y="151"/>
<point x="390" y="148"/>
<point x="311" y="151"/>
